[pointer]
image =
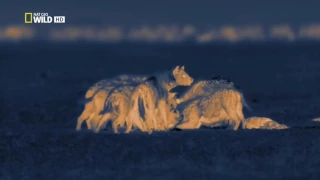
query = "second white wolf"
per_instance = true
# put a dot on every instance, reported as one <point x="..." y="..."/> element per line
<point x="210" y="102"/>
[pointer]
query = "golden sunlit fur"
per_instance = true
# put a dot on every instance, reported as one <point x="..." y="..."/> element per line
<point x="98" y="93"/>
<point x="117" y="107"/>
<point x="209" y="87"/>
<point x="222" y="106"/>
<point x="262" y="123"/>
<point x="150" y="98"/>
<point x="92" y="108"/>
<point x="173" y="115"/>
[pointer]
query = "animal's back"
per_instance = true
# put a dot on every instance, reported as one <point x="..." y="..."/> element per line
<point x="108" y="84"/>
<point x="159" y="91"/>
<point x="151" y="89"/>
<point x="120" y="95"/>
<point x="210" y="106"/>
<point x="218" y="109"/>
<point x="206" y="87"/>
<point x="98" y="85"/>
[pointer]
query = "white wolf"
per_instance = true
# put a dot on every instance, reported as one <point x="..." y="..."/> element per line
<point x="262" y="123"/>
<point x="97" y="95"/>
<point x="223" y="106"/>
<point x="208" y="87"/>
<point x="117" y="107"/>
<point x="150" y="98"/>
<point x="210" y="103"/>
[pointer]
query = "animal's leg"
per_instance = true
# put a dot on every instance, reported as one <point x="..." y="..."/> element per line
<point x="103" y="121"/>
<point x="123" y="109"/>
<point x="133" y="112"/>
<point x="95" y="120"/>
<point x="163" y="114"/>
<point x="193" y="121"/>
<point x="88" y="121"/>
<point x="239" y="111"/>
<point x="229" y="104"/>
<point x="134" y="119"/>
<point x="150" y="121"/>
<point x="88" y="110"/>
<point x="158" y="118"/>
<point x="234" y="122"/>
<point x="99" y="104"/>
<point x="129" y="122"/>
<point x="150" y="114"/>
<point x="120" y="119"/>
<point x="121" y="124"/>
<point x="138" y="122"/>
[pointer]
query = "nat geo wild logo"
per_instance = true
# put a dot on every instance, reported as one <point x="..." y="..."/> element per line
<point x="41" y="17"/>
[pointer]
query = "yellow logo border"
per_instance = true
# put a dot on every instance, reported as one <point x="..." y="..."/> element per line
<point x="25" y="18"/>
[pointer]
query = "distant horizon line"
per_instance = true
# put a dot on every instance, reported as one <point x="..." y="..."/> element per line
<point x="161" y="33"/>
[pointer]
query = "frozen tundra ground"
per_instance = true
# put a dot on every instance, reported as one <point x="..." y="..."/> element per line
<point x="42" y="86"/>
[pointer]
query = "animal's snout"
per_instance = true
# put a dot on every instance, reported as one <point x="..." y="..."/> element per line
<point x="191" y="80"/>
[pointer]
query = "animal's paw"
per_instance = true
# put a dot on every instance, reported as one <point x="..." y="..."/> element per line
<point x="127" y="132"/>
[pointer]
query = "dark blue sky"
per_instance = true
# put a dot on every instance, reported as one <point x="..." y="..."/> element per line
<point x="195" y="12"/>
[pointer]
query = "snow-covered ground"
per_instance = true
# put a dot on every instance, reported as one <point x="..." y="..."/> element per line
<point x="43" y="84"/>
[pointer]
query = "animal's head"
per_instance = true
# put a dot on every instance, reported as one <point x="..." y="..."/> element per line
<point x="181" y="77"/>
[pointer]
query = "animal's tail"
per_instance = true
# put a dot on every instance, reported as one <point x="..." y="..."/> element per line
<point x="89" y="96"/>
<point x="244" y="102"/>
<point x="107" y="108"/>
<point x="91" y="92"/>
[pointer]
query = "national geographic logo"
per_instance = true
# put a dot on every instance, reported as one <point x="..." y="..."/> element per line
<point x="30" y="18"/>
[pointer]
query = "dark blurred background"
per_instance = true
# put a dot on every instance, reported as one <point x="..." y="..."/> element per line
<point x="269" y="48"/>
<point x="139" y="12"/>
<point x="143" y="20"/>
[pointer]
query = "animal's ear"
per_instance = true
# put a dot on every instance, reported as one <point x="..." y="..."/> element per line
<point x="182" y="68"/>
<point x="176" y="70"/>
